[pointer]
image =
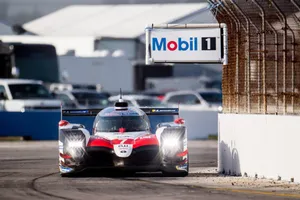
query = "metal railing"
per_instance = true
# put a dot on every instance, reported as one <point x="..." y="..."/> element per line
<point x="263" y="71"/>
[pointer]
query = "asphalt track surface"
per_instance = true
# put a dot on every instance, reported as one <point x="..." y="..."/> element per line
<point x="29" y="170"/>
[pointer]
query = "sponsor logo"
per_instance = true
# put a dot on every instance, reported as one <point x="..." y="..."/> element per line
<point x="164" y="110"/>
<point x="123" y="150"/>
<point x="123" y="145"/>
<point x="161" y="44"/>
<point x="123" y="136"/>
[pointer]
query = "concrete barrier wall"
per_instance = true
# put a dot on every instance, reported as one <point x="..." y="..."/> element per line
<point x="200" y="123"/>
<point x="260" y="145"/>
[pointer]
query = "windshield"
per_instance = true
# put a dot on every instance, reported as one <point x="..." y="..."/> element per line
<point x="212" y="97"/>
<point x="90" y="98"/>
<point x="29" y="91"/>
<point x="129" y="123"/>
<point x="150" y="103"/>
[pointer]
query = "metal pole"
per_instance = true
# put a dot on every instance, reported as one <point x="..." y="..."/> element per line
<point x="248" y="70"/>
<point x="293" y="67"/>
<point x="297" y="20"/>
<point x="225" y="59"/>
<point x="276" y="64"/>
<point x="225" y="43"/>
<point x="258" y="72"/>
<point x="263" y="31"/>
<point x="295" y="4"/>
<point x="293" y="57"/>
<point x="147" y="43"/>
<point x="220" y="166"/>
<point x="284" y="20"/>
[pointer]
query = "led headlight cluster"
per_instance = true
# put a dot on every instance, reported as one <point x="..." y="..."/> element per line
<point x="171" y="144"/>
<point x="75" y="144"/>
<point x="75" y="148"/>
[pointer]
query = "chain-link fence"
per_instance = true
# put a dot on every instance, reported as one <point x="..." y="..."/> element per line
<point x="263" y="73"/>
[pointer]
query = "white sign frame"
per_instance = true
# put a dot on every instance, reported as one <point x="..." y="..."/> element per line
<point x="150" y="29"/>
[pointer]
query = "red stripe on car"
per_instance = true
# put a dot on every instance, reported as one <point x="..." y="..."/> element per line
<point x="99" y="142"/>
<point x="145" y="141"/>
<point x="184" y="153"/>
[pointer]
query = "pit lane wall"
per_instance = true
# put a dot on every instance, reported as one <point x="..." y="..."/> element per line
<point x="200" y="123"/>
<point x="266" y="146"/>
<point x="42" y="125"/>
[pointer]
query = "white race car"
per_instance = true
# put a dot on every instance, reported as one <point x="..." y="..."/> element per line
<point x="121" y="138"/>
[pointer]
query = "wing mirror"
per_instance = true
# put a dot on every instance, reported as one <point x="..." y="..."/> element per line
<point x="158" y="125"/>
<point x="197" y="101"/>
<point x="53" y="94"/>
<point x="179" y="121"/>
<point x="162" y="124"/>
<point x="2" y="96"/>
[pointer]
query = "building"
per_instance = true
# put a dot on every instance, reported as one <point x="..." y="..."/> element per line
<point x="22" y="11"/>
<point x="98" y="30"/>
<point x="113" y="33"/>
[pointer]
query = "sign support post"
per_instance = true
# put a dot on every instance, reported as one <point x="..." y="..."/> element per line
<point x="187" y="43"/>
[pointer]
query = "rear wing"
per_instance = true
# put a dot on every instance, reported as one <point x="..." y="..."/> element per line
<point x="94" y="112"/>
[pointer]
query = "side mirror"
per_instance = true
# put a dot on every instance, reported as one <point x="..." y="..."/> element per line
<point x="53" y="94"/>
<point x="197" y="101"/>
<point x="162" y="124"/>
<point x="179" y="121"/>
<point x="2" y="96"/>
<point x="158" y="125"/>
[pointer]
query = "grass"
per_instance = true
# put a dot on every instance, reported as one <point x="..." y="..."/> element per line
<point x="213" y="137"/>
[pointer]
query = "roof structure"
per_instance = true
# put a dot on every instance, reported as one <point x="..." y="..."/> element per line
<point x="119" y="21"/>
<point x="5" y="29"/>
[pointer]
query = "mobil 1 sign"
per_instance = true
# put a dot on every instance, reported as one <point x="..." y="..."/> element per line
<point x="184" y="45"/>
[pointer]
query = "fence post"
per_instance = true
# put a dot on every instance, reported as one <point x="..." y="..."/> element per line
<point x="293" y="57"/>
<point x="276" y="63"/>
<point x="263" y="31"/>
<point x="284" y="21"/>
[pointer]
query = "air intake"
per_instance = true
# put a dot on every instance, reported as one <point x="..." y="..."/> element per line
<point x="121" y="104"/>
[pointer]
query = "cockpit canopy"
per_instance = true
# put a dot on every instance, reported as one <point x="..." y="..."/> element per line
<point x="131" y="119"/>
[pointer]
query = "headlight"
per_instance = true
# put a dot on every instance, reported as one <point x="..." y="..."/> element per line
<point x="75" y="148"/>
<point x="171" y="145"/>
<point x="75" y="144"/>
<point x="171" y="142"/>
